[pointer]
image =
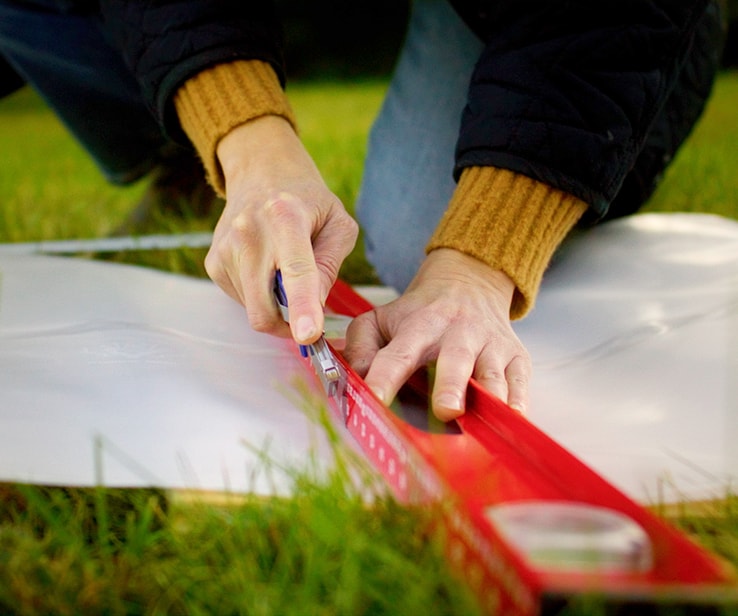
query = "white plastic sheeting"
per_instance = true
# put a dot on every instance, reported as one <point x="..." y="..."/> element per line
<point x="635" y="346"/>
<point x="135" y="377"/>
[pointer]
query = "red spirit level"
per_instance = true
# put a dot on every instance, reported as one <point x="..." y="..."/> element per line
<point x="531" y="527"/>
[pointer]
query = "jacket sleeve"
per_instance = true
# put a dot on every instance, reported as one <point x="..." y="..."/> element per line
<point x="565" y="91"/>
<point x="165" y="42"/>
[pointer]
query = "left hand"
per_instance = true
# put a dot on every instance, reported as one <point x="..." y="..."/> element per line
<point x="456" y="311"/>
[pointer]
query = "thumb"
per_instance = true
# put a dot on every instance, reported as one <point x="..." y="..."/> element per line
<point x="302" y="294"/>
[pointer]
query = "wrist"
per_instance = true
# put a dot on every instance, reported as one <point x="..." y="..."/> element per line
<point x="258" y="144"/>
<point x="454" y="266"/>
<point x="510" y="222"/>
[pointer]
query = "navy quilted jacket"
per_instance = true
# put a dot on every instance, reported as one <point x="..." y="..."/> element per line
<point x="592" y="97"/>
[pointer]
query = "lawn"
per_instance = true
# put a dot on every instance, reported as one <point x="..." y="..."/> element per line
<point x="322" y="551"/>
<point x="702" y="176"/>
<point x="334" y="120"/>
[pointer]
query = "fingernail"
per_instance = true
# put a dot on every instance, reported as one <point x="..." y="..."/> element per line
<point x="518" y="407"/>
<point x="379" y="393"/>
<point x="448" y="402"/>
<point x="305" y="329"/>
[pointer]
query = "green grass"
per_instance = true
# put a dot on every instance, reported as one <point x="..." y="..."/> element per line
<point x="45" y="173"/>
<point x="50" y="189"/>
<point x="322" y="551"/>
<point x="702" y="177"/>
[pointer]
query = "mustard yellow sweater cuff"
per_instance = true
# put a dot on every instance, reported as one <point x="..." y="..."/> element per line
<point x="511" y="222"/>
<point x="218" y="99"/>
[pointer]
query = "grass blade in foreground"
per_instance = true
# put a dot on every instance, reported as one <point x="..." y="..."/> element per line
<point x="501" y="481"/>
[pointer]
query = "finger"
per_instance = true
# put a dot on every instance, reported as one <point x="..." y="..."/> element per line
<point x="236" y="242"/>
<point x="518" y="374"/>
<point x="294" y="257"/>
<point x="454" y="368"/>
<point x="395" y="363"/>
<point x="257" y="281"/>
<point x="302" y="287"/>
<point x="363" y="340"/>
<point x="219" y="264"/>
<point x="236" y="261"/>
<point x="331" y="246"/>
<point x="490" y="372"/>
<point x="219" y="275"/>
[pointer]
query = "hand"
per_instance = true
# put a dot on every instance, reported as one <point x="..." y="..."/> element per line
<point x="456" y="310"/>
<point x="279" y="214"/>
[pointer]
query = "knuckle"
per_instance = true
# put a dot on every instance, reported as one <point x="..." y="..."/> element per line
<point x="459" y="353"/>
<point x="521" y="365"/>
<point x="297" y="267"/>
<point x="358" y="323"/>
<point x="329" y="268"/>
<point x="213" y="264"/>
<point x="403" y="359"/>
<point x="281" y="211"/>
<point x="261" y="322"/>
<point x="523" y="378"/>
<point x="491" y="375"/>
<point x="518" y="381"/>
<point x="244" y="230"/>
<point x="348" y="228"/>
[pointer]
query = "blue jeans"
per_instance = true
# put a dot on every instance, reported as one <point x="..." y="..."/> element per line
<point x="66" y="58"/>
<point x="407" y="179"/>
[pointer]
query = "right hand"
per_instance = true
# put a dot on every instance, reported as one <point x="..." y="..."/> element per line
<point x="279" y="214"/>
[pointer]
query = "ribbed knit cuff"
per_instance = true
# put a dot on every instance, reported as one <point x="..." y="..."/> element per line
<point x="217" y="100"/>
<point x="510" y="222"/>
